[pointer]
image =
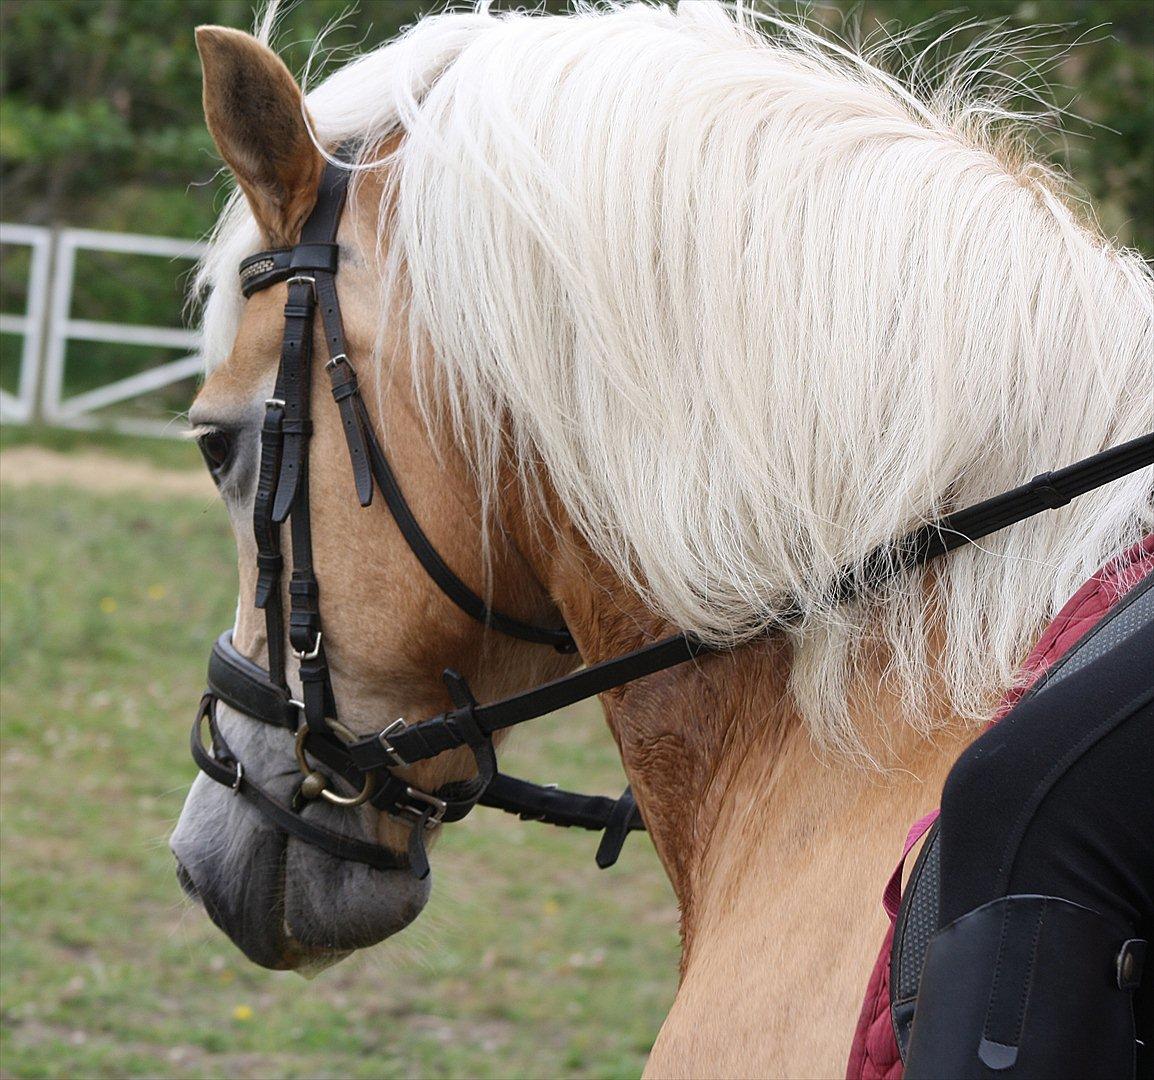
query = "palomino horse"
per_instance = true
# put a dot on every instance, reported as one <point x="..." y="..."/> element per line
<point x="661" y="321"/>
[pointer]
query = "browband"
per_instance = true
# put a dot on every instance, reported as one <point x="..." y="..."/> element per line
<point x="267" y="268"/>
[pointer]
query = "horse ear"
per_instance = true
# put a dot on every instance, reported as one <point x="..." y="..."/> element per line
<point x="255" y="113"/>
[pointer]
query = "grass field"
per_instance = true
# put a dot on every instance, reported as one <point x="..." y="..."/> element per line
<point x="528" y="961"/>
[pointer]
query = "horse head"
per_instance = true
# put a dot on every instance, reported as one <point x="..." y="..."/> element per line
<point x="389" y="632"/>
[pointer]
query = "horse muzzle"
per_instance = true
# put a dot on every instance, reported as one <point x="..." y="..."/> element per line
<point x="285" y="904"/>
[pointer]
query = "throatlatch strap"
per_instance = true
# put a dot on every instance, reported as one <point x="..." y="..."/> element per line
<point x="369" y="463"/>
<point x="447" y="581"/>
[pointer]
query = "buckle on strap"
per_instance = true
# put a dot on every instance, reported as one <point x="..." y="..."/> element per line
<point x="310" y="654"/>
<point x="439" y="806"/>
<point x="383" y="738"/>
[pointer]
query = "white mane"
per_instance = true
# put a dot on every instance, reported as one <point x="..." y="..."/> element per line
<point x="756" y="309"/>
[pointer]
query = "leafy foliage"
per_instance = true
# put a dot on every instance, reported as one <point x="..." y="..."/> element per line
<point x="102" y="124"/>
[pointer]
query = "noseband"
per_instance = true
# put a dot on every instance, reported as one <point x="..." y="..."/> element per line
<point x="365" y="765"/>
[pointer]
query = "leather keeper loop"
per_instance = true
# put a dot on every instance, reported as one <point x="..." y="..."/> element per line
<point x="264" y="591"/>
<point x="345" y="389"/>
<point x="303" y="634"/>
<point x="315" y="256"/>
<point x="1042" y="487"/>
<point x="464" y="720"/>
<point x="300" y="311"/>
<point x="616" y="830"/>
<point x="306" y="587"/>
<point x="269" y="568"/>
<point x="293" y="426"/>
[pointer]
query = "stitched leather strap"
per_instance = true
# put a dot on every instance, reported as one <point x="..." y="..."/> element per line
<point x="436" y="567"/>
<point x="444" y="732"/>
<point x="246" y="687"/>
<point x="434" y="736"/>
<point x="1049" y="491"/>
<point x="267" y="268"/>
<point x="269" y="560"/>
<point x="295" y="369"/>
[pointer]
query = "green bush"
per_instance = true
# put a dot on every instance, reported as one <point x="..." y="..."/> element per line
<point x="102" y="127"/>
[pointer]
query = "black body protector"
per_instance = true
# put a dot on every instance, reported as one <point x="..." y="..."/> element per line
<point x="1020" y="942"/>
<point x="364" y="767"/>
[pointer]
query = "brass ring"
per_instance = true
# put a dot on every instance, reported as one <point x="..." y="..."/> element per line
<point x="331" y="796"/>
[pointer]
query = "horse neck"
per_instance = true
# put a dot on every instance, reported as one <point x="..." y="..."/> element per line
<point x="723" y="768"/>
<point x="778" y="854"/>
<point x="738" y="799"/>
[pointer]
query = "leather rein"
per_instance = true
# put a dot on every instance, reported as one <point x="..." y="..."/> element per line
<point x="365" y="765"/>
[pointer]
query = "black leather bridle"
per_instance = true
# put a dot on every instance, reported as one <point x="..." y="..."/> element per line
<point x="309" y="268"/>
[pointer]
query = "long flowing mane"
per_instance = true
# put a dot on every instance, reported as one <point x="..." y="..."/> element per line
<point x="755" y="308"/>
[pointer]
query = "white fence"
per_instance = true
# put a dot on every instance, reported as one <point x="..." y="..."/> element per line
<point x="20" y="407"/>
<point x="47" y="328"/>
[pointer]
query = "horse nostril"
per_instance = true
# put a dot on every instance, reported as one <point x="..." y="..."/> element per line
<point x="186" y="882"/>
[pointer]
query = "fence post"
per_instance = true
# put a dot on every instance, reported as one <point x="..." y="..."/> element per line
<point x="56" y="341"/>
<point x="24" y="406"/>
<point x="42" y="316"/>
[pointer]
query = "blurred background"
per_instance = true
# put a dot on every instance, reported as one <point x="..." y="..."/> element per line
<point x="118" y="569"/>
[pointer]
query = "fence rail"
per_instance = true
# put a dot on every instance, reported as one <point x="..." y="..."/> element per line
<point x="47" y="326"/>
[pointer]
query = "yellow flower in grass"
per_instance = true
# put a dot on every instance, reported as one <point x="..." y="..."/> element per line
<point x="157" y="592"/>
<point x="107" y="605"/>
<point x="242" y="1012"/>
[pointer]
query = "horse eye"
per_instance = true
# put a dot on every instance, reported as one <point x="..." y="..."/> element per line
<point x="216" y="449"/>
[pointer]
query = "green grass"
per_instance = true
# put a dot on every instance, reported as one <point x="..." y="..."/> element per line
<point x="528" y="961"/>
